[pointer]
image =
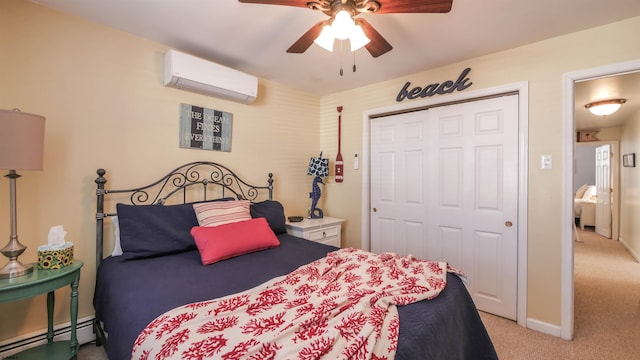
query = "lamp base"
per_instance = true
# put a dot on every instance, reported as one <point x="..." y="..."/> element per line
<point x="15" y="268"/>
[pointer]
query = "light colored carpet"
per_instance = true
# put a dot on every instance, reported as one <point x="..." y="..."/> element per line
<point x="607" y="312"/>
<point x="92" y="352"/>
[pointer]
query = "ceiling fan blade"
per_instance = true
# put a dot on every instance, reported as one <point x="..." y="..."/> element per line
<point x="414" y="6"/>
<point x="306" y="40"/>
<point x="378" y="45"/>
<point x="299" y="3"/>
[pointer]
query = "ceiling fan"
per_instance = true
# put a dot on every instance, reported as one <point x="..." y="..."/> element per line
<point x="364" y="34"/>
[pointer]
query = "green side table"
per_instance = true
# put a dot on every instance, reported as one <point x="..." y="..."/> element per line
<point x="40" y="282"/>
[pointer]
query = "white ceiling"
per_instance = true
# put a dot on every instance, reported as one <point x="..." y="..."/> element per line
<point x="253" y="38"/>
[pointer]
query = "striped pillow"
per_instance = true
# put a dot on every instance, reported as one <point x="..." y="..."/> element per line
<point x="222" y="212"/>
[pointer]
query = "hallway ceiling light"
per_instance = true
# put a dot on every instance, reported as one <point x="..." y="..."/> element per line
<point x="605" y="107"/>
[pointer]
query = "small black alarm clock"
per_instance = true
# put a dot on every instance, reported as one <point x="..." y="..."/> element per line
<point x="295" y="218"/>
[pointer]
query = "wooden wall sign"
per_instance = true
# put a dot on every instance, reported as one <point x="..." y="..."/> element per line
<point x="587" y="135"/>
<point x="207" y="129"/>
<point x="446" y="87"/>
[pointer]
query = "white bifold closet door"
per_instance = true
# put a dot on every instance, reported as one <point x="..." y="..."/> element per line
<point x="444" y="186"/>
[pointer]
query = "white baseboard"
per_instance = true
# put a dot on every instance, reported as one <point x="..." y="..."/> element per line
<point x="629" y="249"/>
<point x="543" y="327"/>
<point x="84" y="333"/>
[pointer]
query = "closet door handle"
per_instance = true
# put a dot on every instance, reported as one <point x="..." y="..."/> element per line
<point x="508" y="224"/>
<point x="375" y="210"/>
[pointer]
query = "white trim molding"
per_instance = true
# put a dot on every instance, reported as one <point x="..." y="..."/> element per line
<point x="631" y="251"/>
<point x="84" y="332"/>
<point x="568" y="122"/>
<point x="543" y="327"/>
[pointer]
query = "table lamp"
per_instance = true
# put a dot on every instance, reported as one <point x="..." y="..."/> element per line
<point x="318" y="168"/>
<point x="21" y="148"/>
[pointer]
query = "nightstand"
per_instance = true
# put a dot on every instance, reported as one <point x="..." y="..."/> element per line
<point x="326" y="230"/>
<point x="40" y="282"/>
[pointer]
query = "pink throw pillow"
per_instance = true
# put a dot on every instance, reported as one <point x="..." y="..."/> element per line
<point x="226" y="241"/>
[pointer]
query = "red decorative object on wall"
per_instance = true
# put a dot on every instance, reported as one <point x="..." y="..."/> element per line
<point x="339" y="163"/>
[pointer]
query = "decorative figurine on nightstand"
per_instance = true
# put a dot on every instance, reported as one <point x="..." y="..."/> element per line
<point x="318" y="167"/>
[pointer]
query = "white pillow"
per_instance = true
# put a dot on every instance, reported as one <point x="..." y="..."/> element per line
<point x="222" y="212"/>
<point x="589" y="193"/>
<point x="117" y="249"/>
<point x="581" y="190"/>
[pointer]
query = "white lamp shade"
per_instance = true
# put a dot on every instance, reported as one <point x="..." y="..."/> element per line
<point x="342" y="25"/>
<point x="358" y="39"/>
<point x="605" y="107"/>
<point x="21" y="140"/>
<point x="326" y="38"/>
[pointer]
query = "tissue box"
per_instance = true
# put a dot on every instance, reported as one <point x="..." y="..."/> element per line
<point x="55" y="258"/>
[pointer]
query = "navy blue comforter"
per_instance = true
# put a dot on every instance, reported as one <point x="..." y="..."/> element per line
<point x="130" y="294"/>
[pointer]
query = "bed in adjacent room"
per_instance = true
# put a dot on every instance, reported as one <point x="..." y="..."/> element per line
<point x="191" y="258"/>
<point x="584" y="205"/>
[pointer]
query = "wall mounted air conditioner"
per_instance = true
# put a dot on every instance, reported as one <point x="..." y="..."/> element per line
<point x="191" y="73"/>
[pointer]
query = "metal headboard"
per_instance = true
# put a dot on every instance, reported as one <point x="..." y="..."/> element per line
<point x="200" y="174"/>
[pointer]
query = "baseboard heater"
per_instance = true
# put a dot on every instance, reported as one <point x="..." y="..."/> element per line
<point x="84" y="332"/>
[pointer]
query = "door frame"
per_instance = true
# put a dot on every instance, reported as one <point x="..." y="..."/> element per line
<point x="568" y="104"/>
<point x="522" y="89"/>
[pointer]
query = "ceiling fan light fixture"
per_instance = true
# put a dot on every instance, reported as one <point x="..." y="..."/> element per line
<point x="358" y="38"/>
<point x="343" y="25"/>
<point x="605" y="107"/>
<point x="326" y="38"/>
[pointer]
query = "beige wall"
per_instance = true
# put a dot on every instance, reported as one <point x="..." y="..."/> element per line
<point x="105" y="106"/>
<point x="542" y="65"/>
<point x="609" y="133"/>
<point x="630" y="187"/>
<point x="102" y="94"/>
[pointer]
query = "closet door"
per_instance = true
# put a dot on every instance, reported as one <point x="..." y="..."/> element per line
<point x="399" y="162"/>
<point x="444" y="186"/>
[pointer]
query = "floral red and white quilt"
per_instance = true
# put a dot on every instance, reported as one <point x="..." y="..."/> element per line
<point x="342" y="306"/>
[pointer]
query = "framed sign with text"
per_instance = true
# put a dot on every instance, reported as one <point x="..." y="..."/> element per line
<point x="207" y="129"/>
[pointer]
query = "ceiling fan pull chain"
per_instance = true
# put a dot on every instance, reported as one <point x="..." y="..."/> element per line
<point x="354" y="61"/>
<point x="341" y="56"/>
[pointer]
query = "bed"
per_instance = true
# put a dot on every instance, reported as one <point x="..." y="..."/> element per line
<point x="158" y="266"/>
<point x="584" y="205"/>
